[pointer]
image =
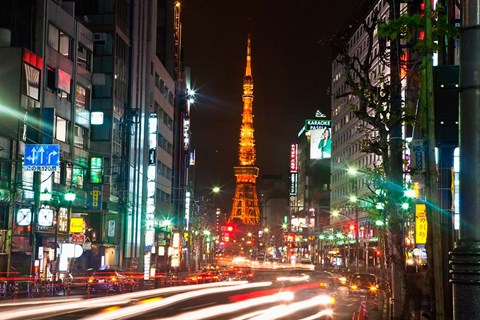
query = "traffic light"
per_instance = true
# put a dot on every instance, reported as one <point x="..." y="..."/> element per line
<point x="227" y="233"/>
<point x="351" y="227"/>
<point x="378" y="253"/>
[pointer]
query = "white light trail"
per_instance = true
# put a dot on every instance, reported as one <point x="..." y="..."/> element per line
<point x="283" y="310"/>
<point x="30" y="302"/>
<point x="138" y="309"/>
<point x="231" y="307"/>
<point x="16" y="313"/>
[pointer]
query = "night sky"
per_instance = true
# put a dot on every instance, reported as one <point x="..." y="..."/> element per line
<point x="291" y="74"/>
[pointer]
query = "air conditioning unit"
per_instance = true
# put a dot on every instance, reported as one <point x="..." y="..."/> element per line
<point x="100" y="38"/>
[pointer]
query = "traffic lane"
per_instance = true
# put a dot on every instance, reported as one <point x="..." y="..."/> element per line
<point x="277" y="301"/>
<point x="52" y="311"/>
<point x="225" y="303"/>
<point x="274" y="308"/>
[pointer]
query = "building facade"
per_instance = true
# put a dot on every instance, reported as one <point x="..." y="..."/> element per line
<point x="91" y="85"/>
<point x="47" y="67"/>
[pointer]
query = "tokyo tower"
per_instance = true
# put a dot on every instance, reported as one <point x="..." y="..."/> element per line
<point x="245" y="202"/>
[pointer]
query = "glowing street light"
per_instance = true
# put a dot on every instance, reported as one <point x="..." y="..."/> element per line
<point x="352" y="171"/>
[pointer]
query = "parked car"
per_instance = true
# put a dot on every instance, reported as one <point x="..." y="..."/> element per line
<point x="363" y="283"/>
<point x="111" y="280"/>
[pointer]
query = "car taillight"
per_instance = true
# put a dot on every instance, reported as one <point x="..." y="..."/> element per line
<point x="354" y="287"/>
<point x="323" y="284"/>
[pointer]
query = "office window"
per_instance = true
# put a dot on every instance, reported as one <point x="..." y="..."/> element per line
<point x="59" y="41"/>
<point x="64" y="45"/>
<point x="80" y="134"/>
<point x="53" y="37"/>
<point x="84" y="58"/>
<point x="57" y="177"/>
<point x="82" y="98"/>
<point x="68" y="175"/>
<point x="61" y="129"/>
<point x="78" y="176"/>
<point x="51" y="79"/>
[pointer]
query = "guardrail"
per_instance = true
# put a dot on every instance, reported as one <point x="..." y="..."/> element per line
<point x="13" y="287"/>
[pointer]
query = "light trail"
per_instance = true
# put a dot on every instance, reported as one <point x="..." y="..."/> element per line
<point x="16" y="313"/>
<point x="282" y="311"/>
<point x="231" y="307"/>
<point x="42" y="301"/>
<point x="139" y="309"/>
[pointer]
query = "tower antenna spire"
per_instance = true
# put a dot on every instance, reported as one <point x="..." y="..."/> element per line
<point x="248" y="69"/>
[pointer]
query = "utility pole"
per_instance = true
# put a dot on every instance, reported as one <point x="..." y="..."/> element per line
<point x="357" y="239"/>
<point x="395" y="173"/>
<point x="465" y="257"/>
<point x="431" y="183"/>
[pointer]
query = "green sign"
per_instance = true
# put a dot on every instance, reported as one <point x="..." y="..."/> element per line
<point x="96" y="172"/>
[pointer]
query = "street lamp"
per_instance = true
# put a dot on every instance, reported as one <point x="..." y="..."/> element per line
<point x="69" y="197"/>
<point x="353" y="229"/>
<point x="352" y="172"/>
<point x="45" y="218"/>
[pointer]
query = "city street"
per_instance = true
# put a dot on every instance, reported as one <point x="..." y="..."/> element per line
<point x="218" y="300"/>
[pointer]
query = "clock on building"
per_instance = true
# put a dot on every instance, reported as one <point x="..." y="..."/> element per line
<point x="24" y="217"/>
<point x="45" y="217"/>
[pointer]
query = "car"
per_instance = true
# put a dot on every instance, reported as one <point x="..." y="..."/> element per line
<point x="110" y="280"/>
<point x="363" y="283"/>
<point x="205" y="275"/>
<point x="326" y="280"/>
<point x="245" y="273"/>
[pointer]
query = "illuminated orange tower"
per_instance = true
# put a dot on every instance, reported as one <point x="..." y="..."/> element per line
<point x="245" y="201"/>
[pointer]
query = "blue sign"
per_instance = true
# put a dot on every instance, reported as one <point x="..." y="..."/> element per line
<point x="41" y="157"/>
<point x="95" y="197"/>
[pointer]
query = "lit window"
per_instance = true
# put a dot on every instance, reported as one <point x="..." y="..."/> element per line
<point x="61" y="129"/>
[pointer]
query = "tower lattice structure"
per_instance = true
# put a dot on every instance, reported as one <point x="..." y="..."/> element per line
<point x="245" y="202"/>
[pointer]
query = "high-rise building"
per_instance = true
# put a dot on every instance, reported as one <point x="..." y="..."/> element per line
<point x="309" y="205"/>
<point x="135" y="90"/>
<point x="45" y="119"/>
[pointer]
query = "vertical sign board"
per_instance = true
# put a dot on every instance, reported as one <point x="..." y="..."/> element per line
<point x="293" y="168"/>
<point x="94" y="200"/>
<point x="176" y="250"/>
<point x="421" y="224"/>
<point x="418" y="155"/>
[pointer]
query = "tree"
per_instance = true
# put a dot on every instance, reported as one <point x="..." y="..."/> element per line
<point x="376" y="102"/>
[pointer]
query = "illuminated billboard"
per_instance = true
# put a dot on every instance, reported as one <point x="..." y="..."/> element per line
<point x="320" y="138"/>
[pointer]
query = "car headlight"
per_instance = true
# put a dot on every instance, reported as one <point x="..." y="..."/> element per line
<point x="326" y="299"/>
